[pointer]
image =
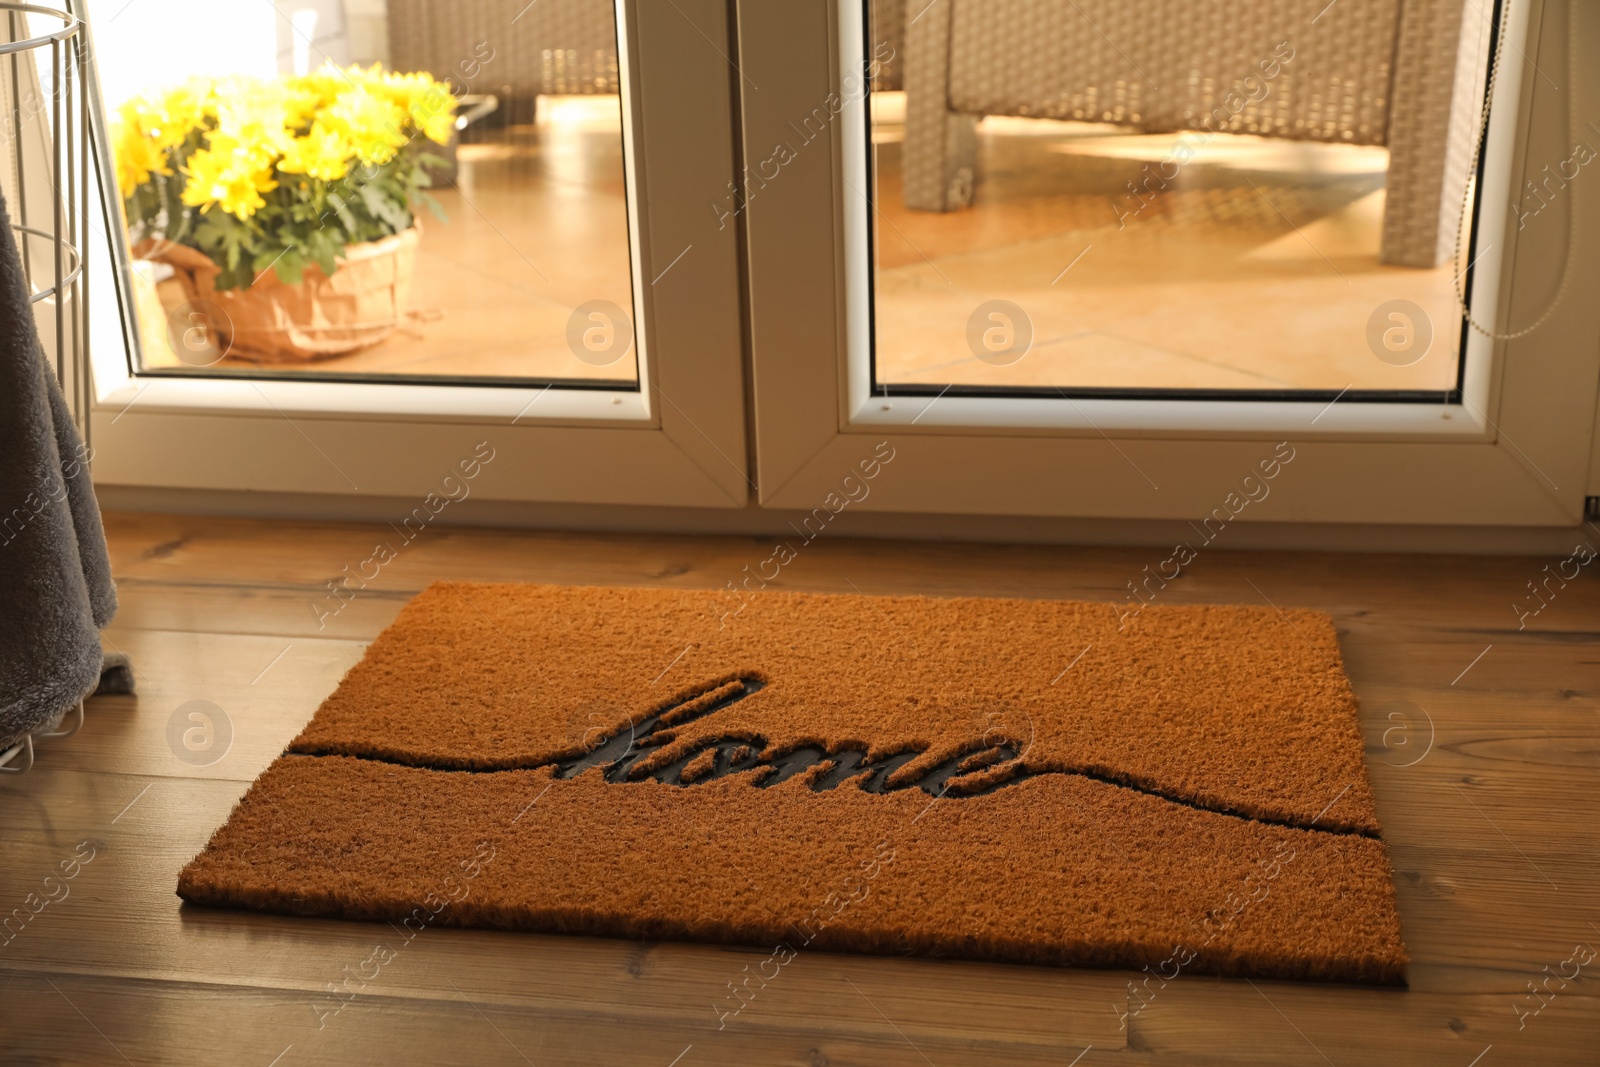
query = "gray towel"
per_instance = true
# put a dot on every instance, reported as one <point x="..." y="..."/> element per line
<point x="55" y="576"/>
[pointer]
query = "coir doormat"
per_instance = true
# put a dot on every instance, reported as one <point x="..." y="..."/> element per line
<point x="986" y="779"/>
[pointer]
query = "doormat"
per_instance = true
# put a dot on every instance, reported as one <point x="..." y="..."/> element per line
<point x="1019" y="780"/>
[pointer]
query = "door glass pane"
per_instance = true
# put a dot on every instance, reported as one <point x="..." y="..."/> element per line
<point x="374" y="189"/>
<point x="1110" y="197"/>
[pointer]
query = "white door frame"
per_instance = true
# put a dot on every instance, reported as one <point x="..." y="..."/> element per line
<point x="680" y="440"/>
<point x="1515" y="452"/>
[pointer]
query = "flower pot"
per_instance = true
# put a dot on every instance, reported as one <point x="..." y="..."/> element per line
<point x="320" y="317"/>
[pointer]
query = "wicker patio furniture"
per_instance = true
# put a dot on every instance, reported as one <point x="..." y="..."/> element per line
<point x="1407" y="74"/>
<point x="544" y="48"/>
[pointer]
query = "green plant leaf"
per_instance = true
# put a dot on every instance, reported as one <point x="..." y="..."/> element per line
<point x="434" y="207"/>
<point x="290" y="267"/>
<point x="323" y="249"/>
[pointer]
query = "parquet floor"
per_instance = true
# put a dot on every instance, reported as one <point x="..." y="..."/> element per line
<point x="1482" y="740"/>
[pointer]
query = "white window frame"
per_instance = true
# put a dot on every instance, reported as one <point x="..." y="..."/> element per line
<point x="678" y="439"/>
<point x="1515" y="452"/>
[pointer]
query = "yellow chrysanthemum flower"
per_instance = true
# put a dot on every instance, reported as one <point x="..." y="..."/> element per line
<point x="129" y="174"/>
<point x="322" y="153"/>
<point x="429" y="103"/>
<point x="255" y="125"/>
<point x="439" y="126"/>
<point x="403" y="89"/>
<point x="301" y="105"/>
<point x="182" y="109"/>
<point x="230" y="175"/>
<point x="137" y="155"/>
<point x="327" y="82"/>
<point x="371" y="123"/>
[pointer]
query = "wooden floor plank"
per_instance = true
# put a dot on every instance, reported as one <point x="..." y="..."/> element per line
<point x="79" y="1019"/>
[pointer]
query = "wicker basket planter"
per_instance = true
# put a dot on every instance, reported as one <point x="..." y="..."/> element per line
<point x="320" y="317"/>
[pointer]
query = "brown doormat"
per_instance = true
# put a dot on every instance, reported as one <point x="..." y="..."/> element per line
<point x="1038" y="781"/>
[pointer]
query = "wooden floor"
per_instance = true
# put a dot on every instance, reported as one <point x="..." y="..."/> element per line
<point x="1482" y="742"/>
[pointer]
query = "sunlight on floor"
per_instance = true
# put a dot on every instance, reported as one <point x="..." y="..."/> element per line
<point x="1256" y="268"/>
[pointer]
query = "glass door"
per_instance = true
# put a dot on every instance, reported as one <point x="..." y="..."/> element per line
<point x="1093" y="259"/>
<point x="1094" y="209"/>
<point x="462" y="168"/>
<point x="344" y="229"/>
